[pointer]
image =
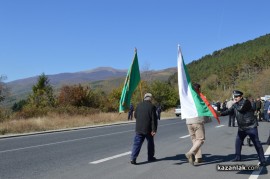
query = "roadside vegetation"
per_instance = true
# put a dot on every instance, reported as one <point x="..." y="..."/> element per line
<point x="55" y="122"/>
<point x="76" y="106"/>
<point x="245" y="67"/>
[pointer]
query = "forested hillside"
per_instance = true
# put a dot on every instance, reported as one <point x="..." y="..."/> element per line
<point x="245" y="67"/>
<point x="241" y="66"/>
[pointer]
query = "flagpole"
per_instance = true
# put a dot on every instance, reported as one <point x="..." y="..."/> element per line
<point x="140" y="80"/>
<point x="141" y="90"/>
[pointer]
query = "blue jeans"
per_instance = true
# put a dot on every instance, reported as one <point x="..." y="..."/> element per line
<point x="266" y="115"/>
<point x="254" y="137"/>
<point x="138" y="141"/>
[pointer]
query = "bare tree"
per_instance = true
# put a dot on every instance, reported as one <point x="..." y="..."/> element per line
<point x="146" y="72"/>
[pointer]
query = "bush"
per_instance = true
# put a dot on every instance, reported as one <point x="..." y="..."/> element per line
<point x="72" y="110"/>
<point x="31" y="111"/>
<point x="4" y="114"/>
<point x="18" y="106"/>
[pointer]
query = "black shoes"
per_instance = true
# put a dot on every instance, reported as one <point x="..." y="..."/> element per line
<point x="152" y="159"/>
<point x="133" y="162"/>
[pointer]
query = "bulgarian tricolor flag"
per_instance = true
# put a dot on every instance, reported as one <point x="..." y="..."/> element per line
<point x="193" y="102"/>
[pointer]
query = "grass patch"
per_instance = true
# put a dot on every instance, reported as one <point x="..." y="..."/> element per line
<point x="54" y="121"/>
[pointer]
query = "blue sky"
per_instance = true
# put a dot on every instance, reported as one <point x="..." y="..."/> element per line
<point x="56" y="36"/>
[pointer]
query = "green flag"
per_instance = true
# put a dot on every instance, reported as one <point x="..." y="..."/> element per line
<point x="132" y="80"/>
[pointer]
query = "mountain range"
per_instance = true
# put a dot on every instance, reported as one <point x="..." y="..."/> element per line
<point x="238" y="66"/>
<point x="104" y="78"/>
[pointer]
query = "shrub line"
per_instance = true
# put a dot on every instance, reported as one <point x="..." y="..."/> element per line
<point x="63" y="130"/>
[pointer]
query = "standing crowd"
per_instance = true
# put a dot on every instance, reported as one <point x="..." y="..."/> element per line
<point x="243" y="112"/>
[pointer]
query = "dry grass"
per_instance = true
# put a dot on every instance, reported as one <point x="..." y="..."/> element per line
<point x="54" y="122"/>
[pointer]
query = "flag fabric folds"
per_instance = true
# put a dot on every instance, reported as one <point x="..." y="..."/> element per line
<point x="193" y="103"/>
<point x="132" y="80"/>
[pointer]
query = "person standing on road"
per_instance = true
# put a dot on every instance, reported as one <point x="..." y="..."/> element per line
<point x="146" y="127"/>
<point x="265" y="111"/>
<point x="247" y="126"/>
<point x="159" y="111"/>
<point x="218" y="105"/>
<point x="258" y="107"/>
<point x="130" y="112"/>
<point x="197" y="133"/>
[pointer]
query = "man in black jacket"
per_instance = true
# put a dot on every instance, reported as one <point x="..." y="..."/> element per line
<point x="146" y="127"/>
<point x="247" y="126"/>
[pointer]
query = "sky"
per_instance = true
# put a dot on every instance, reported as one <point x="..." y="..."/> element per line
<point x="58" y="36"/>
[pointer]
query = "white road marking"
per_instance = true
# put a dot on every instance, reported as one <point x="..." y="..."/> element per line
<point x="219" y="126"/>
<point x="66" y="141"/>
<point x="255" y="174"/>
<point x="185" y="136"/>
<point x="110" y="158"/>
<point x="61" y="142"/>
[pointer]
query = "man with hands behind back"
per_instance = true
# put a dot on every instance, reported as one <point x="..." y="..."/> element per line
<point x="146" y="127"/>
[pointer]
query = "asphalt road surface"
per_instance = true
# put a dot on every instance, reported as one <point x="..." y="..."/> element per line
<point x="104" y="153"/>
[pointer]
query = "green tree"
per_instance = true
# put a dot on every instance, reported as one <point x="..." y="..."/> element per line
<point x="42" y="93"/>
<point x="164" y="94"/>
<point x="138" y="95"/>
<point x="99" y="99"/>
<point x="114" y="99"/>
<point x="18" y="106"/>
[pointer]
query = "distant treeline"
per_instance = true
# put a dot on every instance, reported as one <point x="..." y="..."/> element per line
<point x="242" y="66"/>
<point x="82" y="100"/>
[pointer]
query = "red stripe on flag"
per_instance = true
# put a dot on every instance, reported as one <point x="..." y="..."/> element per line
<point x="209" y="106"/>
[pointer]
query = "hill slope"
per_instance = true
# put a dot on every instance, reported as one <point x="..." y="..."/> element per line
<point x="104" y="78"/>
<point x="243" y="66"/>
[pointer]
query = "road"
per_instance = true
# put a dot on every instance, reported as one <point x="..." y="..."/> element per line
<point x="104" y="152"/>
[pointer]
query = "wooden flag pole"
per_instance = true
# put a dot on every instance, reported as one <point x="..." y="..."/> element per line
<point x="141" y="90"/>
<point x="140" y="81"/>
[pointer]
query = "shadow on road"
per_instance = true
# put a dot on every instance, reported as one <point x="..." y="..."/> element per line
<point x="214" y="159"/>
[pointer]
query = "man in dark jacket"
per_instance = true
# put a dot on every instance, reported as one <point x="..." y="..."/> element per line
<point x="247" y="126"/>
<point x="258" y="109"/>
<point x="146" y="127"/>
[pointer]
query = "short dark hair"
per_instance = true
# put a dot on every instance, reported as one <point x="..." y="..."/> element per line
<point x="196" y="86"/>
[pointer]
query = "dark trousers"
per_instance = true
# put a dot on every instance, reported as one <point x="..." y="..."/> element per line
<point x="231" y="120"/>
<point x="254" y="137"/>
<point x="138" y="141"/>
<point x="130" y="115"/>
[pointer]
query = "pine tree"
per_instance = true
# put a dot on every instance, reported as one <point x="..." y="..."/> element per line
<point x="42" y="93"/>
